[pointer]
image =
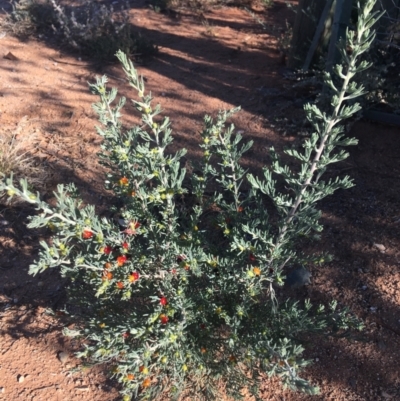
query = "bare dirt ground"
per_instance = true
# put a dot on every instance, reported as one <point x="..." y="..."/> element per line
<point x="216" y="59"/>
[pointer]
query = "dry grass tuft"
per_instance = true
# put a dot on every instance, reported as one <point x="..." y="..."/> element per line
<point x="16" y="156"/>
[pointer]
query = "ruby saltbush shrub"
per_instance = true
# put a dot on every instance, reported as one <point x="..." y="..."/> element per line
<point x="177" y="292"/>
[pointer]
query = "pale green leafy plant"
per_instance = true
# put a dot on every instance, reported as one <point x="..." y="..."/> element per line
<point x="177" y="292"/>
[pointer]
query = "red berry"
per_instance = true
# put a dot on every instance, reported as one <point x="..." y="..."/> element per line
<point x="87" y="234"/>
<point x="121" y="260"/>
<point x="125" y="335"/>
<point x="125" y="245"/>
<point x="120" y="285"/>
<point x="163" y="301"/>
<point x="134" y="277"/>
<point x="164" y="319"/>
<point x="107" y="250"/>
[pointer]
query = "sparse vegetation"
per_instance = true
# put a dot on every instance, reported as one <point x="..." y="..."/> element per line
<point x="92" y="28"/>
<point x="16" y="155"/>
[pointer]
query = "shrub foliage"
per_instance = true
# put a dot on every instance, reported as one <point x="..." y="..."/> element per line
<point x="177" y="291"/>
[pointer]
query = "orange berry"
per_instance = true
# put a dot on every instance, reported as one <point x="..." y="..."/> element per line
<point x="123" y="181"/>
<point x="146" y="383"/>
<point x="120" y="285"/>
<point x="257" y="271"/>
<point x="130" y="376"/>
<point x="107" y="275"/>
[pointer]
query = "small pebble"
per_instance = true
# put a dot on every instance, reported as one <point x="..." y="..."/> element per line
<point x="380" y="247"/>
<point x="2" y="390"/>
<point x="316" y="359"/>
<point x="21" y="378"/>
<point x="373" y="308"/>
<point x="63" y="357"/>
<point x="364" y="287"/>
<point x="298" y="277"/>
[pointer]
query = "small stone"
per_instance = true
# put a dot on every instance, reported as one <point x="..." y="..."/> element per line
<point x="373" y="308"/>
<point x="380" y="247"/>
<point x="316" y="359"/>
<point x="21" y="378"/>
<point x="82" y="388"/>
<point x="4" y="222"/>
<point x="10" y="56"/>
<point x="298" y="277"/>
<point x="63" y="357"/>
<point x="364" y="287"/>
<point x="40" y="284"/>
<point x="2" y="390"/>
